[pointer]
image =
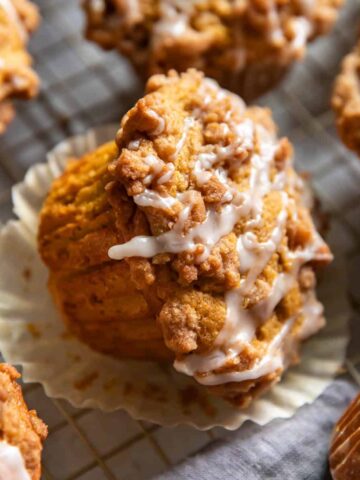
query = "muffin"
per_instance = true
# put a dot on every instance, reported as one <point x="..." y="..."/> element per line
<point x="345" y="445"/>
<point x="247" y="46"/>
<point x="22" y="431"/>
<point x="346" y="100"/>
<point x="188" y="240"/>
<point x="18" y="18"/>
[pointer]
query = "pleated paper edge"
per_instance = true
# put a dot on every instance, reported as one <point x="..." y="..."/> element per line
<point x="264" y="409"/>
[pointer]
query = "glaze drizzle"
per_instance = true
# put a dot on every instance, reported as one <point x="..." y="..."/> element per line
<point x="12" y="465"/>
<point x="240" y="325"/>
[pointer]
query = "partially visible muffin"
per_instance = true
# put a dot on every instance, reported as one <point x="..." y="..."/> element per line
<point x="246" y="45"/>
<point x="21" y="431"/>
<point x="346" y="100"/>
<point x="18" y="18"/>
<point x="344" y="454"/>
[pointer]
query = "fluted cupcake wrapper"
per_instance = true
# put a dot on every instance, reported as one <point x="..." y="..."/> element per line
<point x="33" y="335"/>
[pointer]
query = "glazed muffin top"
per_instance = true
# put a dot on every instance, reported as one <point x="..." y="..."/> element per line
<point x="208" y="34"/>
<point x="202" y="203"/>
<point x="214" y="198"/>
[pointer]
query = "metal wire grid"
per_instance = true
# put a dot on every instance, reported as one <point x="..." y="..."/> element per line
<point x="83" y="86"/>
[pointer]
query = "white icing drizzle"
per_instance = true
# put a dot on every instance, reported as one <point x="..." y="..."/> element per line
<point x="160" y="172"/>
<point x="301" y="25"/>
<point x="98" y="6"/>
<point x="210" y="87"/>
<point x="276" y="33"/>
<point x="206" y="234"/>
<point x="12" y="14"/>
<point x="134" y="144"/>
<point x="173" y="24"/>
<point x="204" y="162"/>
<point x="254" y="255"/>
<point x="165" y="177"/>
<point x="149" y="198"/>
<point x="240" y="323"/>
<point x="302" y="31"/>
<point x="188" y="123"/>
<point x="174" y="19"/>
<point x="270" y="362"/>
<point x="207" y="160"/>
<point x="12" y="465"/>
<point x="156" y="166"/>
<point x="158" y="130"/>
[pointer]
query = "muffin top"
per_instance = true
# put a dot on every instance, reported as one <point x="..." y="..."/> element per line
<point x="211" y="211"/>
<point x="208" y="34"/>
<point x="199" y="206"/>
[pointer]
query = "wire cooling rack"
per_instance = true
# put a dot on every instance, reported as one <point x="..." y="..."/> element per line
<point x="83" y="86"/>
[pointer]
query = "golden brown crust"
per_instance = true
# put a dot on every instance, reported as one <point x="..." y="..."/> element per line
<point x="17" y="79"/>
<point x="247" y="46"/>
<point x="97" y="297"/>
<point x="135" y="306"/>
<point x="346" y="100"/>
<point x="344" y="454"/>
<point x="19" y="426"/>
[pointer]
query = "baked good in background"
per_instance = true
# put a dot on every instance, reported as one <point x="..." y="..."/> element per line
<point x="346" y="100"/>
<point x="190" y="240"/>
<point x="247" y="45"/>
<point x="344" y="454"/>
<point x="18" y="18"/>
<point x="21" y="431"/>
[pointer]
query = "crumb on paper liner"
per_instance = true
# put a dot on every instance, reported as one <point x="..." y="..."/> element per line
<point x="33" y="335"/>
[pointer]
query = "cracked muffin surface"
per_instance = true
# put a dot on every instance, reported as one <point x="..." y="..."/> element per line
<point x="346" y="100"/>
<point x="18" y="18"/>
<point x="189" y="240"/>
<point x="21" y="431"/>
<point x="246" y="45"/>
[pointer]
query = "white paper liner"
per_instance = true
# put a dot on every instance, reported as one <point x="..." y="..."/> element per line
<point x="33" y="335"/>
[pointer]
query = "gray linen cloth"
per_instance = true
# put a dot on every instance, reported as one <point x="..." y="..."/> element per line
<point x="292" y="449"/>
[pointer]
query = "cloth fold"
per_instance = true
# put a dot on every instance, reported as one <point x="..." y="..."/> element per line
<point x="291" y="449"/>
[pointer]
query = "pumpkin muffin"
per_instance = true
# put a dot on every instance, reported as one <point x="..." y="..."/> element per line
<point x="188" y="240"/>
<point x="246" y="45"/>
